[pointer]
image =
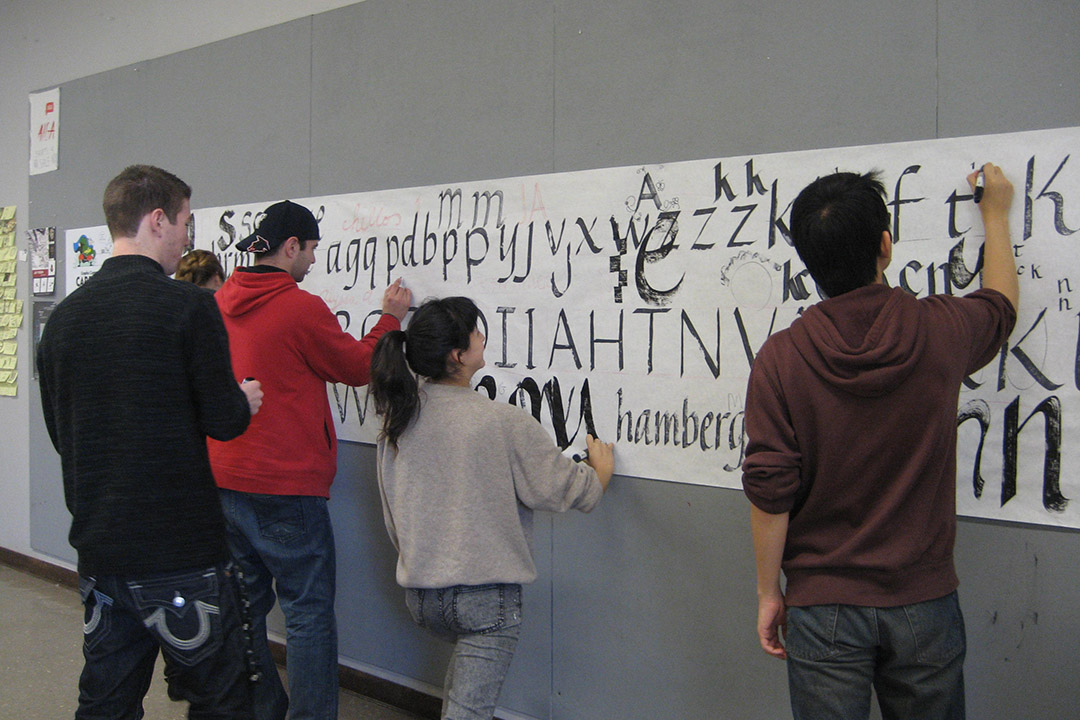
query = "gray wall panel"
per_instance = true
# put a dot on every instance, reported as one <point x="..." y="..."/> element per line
<point x="419" y="93"/>
<point x="642" y="82"/>
<point x="656" y="609"/>
<point x="1019" y="593"/>
<point x="1006" y="68"/>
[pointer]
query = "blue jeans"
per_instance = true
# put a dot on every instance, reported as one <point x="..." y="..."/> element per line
<point x="285" y="543"/>
<point x="484" y="623"/>
<point x="912" y="655"/>
<point x="193" y="617"/>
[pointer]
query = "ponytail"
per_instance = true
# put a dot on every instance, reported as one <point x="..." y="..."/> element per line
<point x="396" y="392"/>
<point x="436" y="328"/>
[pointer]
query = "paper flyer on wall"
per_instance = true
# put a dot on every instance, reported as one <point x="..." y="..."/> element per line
<point x="87" y="249"/>
<point x="42" y="247"/>
<point x="44" y="131"/>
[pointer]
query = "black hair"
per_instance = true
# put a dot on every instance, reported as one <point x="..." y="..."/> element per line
<point x="437" y="327"/>
<point x="836" y="226"/>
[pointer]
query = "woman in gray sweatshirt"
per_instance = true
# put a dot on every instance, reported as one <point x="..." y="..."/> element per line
<point x="460" y="476"/>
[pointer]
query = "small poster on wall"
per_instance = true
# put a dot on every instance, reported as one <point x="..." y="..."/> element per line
<point x="44" y="131"/>
<point x="88" y="248"/>
<point x="42" y="242"/>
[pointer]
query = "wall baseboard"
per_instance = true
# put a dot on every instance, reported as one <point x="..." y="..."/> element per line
<point x="357" y="681"/>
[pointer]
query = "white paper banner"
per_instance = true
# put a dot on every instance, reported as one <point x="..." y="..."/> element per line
<point x="632" y="300"/>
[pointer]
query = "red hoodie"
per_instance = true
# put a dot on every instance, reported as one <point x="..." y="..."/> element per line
<point x="291" y="342"/>
<point x="851" y="426"/>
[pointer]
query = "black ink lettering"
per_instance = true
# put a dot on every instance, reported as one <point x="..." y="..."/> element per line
<point x="1027" y="362"/>
<point x="487" y="196"/>
<point x="720" y="182"/>
<point x="753" y="180"/>
<point x="897" y="202"/>
<point x="447" y="259"/>
<point x="746" y="339"/>
<point x="430" y="239"/>
<point x="648" y="192"/>
<point x="529" y="360"/>
<point x="652" y="312"/>
<point x="795" y="287"/>
<point x="713" y="363"/>
<point x="529" y="391"/>
<point x="735" y="439"/>
<point x="952" y="202"/>
<point x="586" y="237"/>
<point x="555" y="245"/>
<point x="472" y="260"/>
<point x="915" y="266"/>
<point x="512" y="254"/>
<point x="393" y="256"/>
<point x="749" y="210"/>
<point x="958" y="274"/>
<point x="487" y="383"/>
<point x="708" y="213"/>
<point x="1050" y="409"/>
<point x="594" y="341"/>
<point x="225" y="241"/>
<point x="370" y="256"/>
<point x="568" y="345"/>
<point x="504" y="311"/>
<point x="776" y="221"/>
<point x="978" y="411"/>
<point x="448" y="195"/>
<point x="1054" y="197"/>
<point x="647" y="292"/>
<point x="408" y="245"/>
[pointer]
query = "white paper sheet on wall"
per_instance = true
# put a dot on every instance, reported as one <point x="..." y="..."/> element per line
<point x="632" y="300"/>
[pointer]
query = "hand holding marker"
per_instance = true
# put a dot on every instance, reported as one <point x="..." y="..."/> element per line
<point x="980" y="185"/>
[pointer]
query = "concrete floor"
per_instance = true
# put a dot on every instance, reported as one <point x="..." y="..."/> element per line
<point x="41" y="658"/>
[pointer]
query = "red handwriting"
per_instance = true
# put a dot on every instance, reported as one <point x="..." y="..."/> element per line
<point x="364" y="219"/>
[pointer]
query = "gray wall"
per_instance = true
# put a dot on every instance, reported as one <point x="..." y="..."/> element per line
<point x="646" y="607"/>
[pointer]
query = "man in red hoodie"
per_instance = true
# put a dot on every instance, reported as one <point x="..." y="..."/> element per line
<point x="851" y="461"/>
<point x="275" y="479"/>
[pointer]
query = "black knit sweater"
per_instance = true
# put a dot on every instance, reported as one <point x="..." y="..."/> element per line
<point x="135" y="373"/>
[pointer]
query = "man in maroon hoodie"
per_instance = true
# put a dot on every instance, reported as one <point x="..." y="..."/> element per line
<point x="851" y="461"/>
<point x="275" y="479"/>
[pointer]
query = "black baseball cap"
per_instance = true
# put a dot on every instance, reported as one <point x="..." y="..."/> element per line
<point x="280" y="222"/>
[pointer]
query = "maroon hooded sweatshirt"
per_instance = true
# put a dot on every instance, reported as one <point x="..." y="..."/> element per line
<point x="851" y="427"/>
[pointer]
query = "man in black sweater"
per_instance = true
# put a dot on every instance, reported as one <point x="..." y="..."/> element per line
<point x="135" y="373"/>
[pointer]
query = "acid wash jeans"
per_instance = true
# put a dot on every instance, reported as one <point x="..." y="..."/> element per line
<point x="912" y="655"/>
<point x="194" y="617"/>
<point x="483" y="622"/>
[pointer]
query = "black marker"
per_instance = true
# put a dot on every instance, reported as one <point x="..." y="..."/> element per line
<point x="581" y="456"/>
<point x="247" y="380"/>
<point x="980" y="185"/>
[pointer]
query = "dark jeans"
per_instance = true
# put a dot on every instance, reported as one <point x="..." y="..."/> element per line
<point x="285" y="543"/>
<point x="193" y="617"/>
<point x="912" y="655"/>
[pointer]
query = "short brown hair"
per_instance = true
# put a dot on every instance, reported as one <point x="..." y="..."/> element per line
<point x="138" y="191"/>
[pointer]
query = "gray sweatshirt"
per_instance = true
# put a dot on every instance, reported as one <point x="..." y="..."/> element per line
<point x="459" y="492"/>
